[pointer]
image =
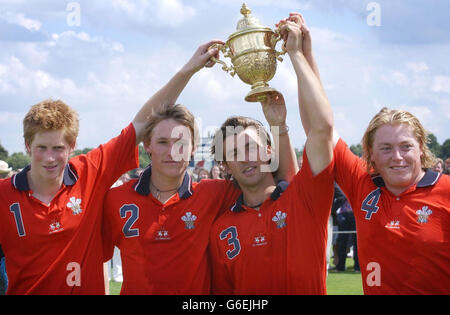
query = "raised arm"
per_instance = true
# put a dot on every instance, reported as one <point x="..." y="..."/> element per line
<point x="275" y="112"/>
<point x="315" y="110"/>
<point x="169" y="93"/>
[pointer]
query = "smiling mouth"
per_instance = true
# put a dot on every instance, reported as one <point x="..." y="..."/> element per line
<point x="172" y="162"/>
<point x="51" y="168"/>
<point x="248" y="170"/>
<point x="398" y="168"/>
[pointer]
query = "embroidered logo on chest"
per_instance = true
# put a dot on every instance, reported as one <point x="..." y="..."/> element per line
<point x="162" y="235"/>
<point x="259" y="240"/>
<point x="55" y="226"/>
<point x="75" y="205"/>
<point x="189" y="220"/>
<point x="280" y="219"/>
<point x="423" y="215"/>
<point x="395" y="225"/>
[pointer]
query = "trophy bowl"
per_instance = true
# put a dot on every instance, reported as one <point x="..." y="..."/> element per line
<point x="253" y="55"/>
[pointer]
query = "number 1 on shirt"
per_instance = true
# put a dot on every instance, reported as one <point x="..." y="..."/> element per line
<point x="15" y="209"/>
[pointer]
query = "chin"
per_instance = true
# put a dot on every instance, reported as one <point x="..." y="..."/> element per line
<point x="174" y="172"/>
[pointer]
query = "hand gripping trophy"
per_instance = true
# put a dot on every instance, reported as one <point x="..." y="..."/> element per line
<point x="253" y="55"/>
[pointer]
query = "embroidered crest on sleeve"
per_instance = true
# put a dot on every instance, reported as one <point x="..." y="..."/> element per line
<point x="75" y="205"/>
<point x="189" y="219"/>
<point x="280" y="219"/>
<point x="423" y="214"/>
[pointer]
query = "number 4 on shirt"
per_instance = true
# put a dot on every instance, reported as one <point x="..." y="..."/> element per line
<point x="370" y="203"/>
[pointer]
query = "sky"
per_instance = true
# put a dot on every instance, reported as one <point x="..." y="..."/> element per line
<point x="106" y="58"/>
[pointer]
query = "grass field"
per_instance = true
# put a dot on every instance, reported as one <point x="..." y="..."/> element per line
<point x="345" y="283"/>
<point x="341" y="283"/>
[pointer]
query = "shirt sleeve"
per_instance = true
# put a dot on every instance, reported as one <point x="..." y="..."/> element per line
<point x="221" y="281"/>
<point x="315" y="192"/>
<point x="112" y="159"/>
<point x="107" y="229"/>
<point x="349" y="169"/>
<point x="223" y="191"/>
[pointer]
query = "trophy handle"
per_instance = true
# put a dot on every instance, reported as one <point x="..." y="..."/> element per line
<point x="223" y="49"/>
<point x="275" y="39"/>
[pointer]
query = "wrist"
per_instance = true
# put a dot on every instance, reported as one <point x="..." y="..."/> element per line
<point x="188" y="71"/>
<point x="279" y="130"/>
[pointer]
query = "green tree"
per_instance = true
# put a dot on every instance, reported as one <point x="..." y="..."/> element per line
<point x="81" y="151"/>
<point x="434" y="145"/>
<point x="18" y="160"/>
<point x="3" y="153"/>
<point x="298" y="152"/>
<point x="357" y="149"/>
<point x="144" y="159"/>
<point x="445" y="149"/>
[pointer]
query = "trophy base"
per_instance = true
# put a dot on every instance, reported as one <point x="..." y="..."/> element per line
<point x="260" y="94"/>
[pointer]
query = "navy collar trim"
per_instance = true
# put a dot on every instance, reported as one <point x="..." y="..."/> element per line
<point x="20" y="180"/>
<point x="278" y="191"/>
<point x="429" y="179"/>
<point x="142" y="186"/>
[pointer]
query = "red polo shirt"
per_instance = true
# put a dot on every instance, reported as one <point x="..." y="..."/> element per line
<point x="403" y="241"/>
<point x="280" y="248"/>
<point x="164" y="246"/>
<point x="57" y="248"/>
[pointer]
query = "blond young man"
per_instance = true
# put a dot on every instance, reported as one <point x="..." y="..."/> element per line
<point x="401" y="206"/>
<point x="50" y="226"/>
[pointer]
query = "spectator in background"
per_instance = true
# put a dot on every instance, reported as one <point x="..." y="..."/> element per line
<point x="203" y="174"/>
<point x="346" y="222"/>
<point x="439" y="166"/>
<point x="198" y="167"/>
<point x="4" y="169"/>
<point x="216" y="172"/>
<point x="4" y="173"/>
<point x="447" y="166"/>
<point x="300" y="161"/>
<point x="338" y="200"/>
<point x="3" y="276"/>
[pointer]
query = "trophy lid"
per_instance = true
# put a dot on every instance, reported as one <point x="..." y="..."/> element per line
<point x="248" y="22"/>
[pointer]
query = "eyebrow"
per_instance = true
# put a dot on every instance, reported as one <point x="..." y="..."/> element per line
<point x="401" y="142"/>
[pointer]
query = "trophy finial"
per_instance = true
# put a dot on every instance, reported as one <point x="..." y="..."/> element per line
<point x="245" y="11"/>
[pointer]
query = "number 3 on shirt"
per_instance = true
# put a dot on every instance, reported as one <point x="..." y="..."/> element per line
<point x="232" y="241"/>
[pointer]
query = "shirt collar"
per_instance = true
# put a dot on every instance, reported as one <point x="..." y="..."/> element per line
<point x="429" y="179"/>
<point x="20" y="180"/>
<point x="278" y="191"/>
<point x="142" y="186"/>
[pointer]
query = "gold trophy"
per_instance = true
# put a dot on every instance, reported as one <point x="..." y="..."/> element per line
<point x="253" y="55"/>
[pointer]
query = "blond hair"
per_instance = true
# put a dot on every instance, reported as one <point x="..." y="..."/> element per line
<point x="396" y="117"/>
<point x="51" y="115"/>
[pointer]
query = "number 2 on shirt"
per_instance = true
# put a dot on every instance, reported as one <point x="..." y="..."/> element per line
<point x="134" y="216"/>
<point x="232" y="241"/>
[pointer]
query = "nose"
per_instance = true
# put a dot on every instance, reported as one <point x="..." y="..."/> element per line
<point x="178" y="151"/>
<point x="49" y="156"/>
<point x="397" y="154"/>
